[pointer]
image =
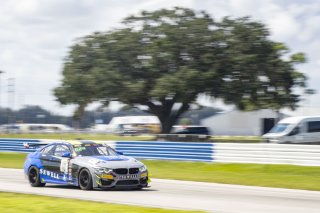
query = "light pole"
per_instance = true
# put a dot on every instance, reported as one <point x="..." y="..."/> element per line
<point x="1" y="72"/>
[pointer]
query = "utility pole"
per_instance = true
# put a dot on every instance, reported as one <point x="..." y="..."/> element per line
<point x="1" y="107"/>
<point x="1" y="72"/>
<point x="11" y="91"/>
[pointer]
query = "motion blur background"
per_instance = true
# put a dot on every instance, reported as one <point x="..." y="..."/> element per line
<point x="139" y="74"/>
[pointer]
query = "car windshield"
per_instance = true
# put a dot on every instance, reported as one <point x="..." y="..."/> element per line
<point x="279" y="128"/>
<point x="94" y="150"/>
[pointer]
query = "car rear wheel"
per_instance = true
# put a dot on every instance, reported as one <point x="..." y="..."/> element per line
<point x="34" y="177"/>
<point x="85" y="179"/>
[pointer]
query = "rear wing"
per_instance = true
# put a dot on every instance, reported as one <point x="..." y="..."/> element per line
<point x="34" y="145"/>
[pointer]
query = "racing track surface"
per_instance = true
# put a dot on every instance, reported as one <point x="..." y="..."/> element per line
<point x="181" y="195"/>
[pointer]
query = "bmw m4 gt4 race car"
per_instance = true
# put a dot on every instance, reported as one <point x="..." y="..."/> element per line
<point x="85" y="164"/>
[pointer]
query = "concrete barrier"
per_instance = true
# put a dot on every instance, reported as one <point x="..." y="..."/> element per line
<point x="268" y="153"/>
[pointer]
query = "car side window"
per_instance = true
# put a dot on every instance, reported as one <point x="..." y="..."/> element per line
<point x="295" y="131"/>
<point x="48" y="150"/>
<point x="314" y="126"/>
<point x="60" y="149"/>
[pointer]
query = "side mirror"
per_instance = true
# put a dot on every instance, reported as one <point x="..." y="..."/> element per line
<point x="66" y="155"/>
<point x="120" y="153"/>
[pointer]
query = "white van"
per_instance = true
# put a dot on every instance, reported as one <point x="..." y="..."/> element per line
<point x="302" y="129"/>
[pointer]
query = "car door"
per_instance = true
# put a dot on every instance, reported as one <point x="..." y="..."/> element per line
<point x="61" y="164"/>
<point x="297" y="134"/>
<point x="46" y="158"/>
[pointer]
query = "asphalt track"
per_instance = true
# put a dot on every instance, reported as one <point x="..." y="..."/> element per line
<point x="181" y="195"/>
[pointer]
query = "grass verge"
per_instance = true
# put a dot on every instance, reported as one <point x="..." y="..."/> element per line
<point x="12" y="160"/>
<point x="281" y="176"/>
<point x="269" y="175"/>
<point x="14" y="202"/>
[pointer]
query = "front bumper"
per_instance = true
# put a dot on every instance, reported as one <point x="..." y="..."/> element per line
<point x="270" y="140"/>
<point x="113" y="180"/>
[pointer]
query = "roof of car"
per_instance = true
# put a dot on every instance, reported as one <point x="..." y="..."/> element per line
<point x="75" y="142"/>
<point x="46" y="143"/>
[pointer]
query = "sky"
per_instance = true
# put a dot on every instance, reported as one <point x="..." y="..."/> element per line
<point x="35" y="36"/>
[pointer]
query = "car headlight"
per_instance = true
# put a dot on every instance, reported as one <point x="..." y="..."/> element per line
<point x="143" y="168"/>
<point x="102" y="170"/>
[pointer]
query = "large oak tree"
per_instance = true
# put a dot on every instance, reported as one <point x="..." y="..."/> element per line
<point x="166" y="58"/>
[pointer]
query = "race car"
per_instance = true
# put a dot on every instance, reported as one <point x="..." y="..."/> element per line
<point x="86" y="164"/>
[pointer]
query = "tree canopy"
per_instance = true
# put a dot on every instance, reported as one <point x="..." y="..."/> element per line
<point x="164" y="59"/>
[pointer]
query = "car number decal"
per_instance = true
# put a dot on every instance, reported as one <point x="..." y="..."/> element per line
<point x="127" y="177"/>
<point x="64" y="165"/>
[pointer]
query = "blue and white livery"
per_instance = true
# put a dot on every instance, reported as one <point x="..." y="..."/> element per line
<point x="85" y="164"/>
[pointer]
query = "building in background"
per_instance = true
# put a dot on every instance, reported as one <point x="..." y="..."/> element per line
<point x="244" y="123"/>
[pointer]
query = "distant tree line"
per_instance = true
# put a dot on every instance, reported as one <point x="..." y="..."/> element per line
<point x="36" y="114"/>
<point x="32" y="114"/>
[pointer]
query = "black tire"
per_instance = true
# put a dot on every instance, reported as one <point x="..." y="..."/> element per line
<point x="85" y="179"/>
<point x="34" y="177"/>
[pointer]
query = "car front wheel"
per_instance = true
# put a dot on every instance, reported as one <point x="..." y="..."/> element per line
<point x="85" y="179"/>
<point x="34" y="177"/>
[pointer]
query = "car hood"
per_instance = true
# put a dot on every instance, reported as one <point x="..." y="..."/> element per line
<point x="118" y="161"/>
<point x="111" y="158"/>
<point x="273" y="135"/>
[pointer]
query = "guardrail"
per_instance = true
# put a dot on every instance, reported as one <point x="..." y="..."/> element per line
<point x="208" y="152"/>
<point x="167" y="150"/>
<point x="16" y="145"/>
<point x="139" y="149"/>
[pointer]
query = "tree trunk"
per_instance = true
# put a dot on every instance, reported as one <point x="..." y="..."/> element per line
<point x="77" y="115"/>
<point x="166" y="115"/>
<point x="166" y="124"/>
